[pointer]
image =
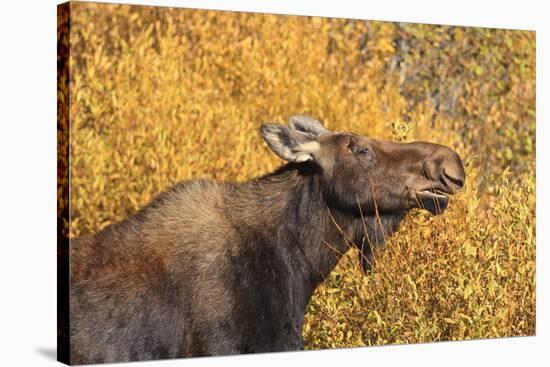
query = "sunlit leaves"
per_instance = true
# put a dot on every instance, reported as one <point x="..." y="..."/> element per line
<point x="160" y="95"/>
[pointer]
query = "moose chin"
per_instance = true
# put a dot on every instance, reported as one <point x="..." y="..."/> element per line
<point x="218" y="268"/>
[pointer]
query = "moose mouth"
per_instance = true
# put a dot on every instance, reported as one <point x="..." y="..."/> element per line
<point x="434" y="201"/>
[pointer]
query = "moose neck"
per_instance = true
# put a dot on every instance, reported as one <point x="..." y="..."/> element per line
<point x="306" y="225"/>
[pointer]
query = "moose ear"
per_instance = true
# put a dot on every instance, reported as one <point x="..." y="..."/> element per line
<point x="308" y="125"/>
<point x="289" y="144"/>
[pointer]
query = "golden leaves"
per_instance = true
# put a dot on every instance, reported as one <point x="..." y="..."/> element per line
<point x="164" y="95"/>
<point x="451" y="277"/>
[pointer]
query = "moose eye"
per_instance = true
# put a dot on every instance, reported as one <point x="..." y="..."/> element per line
<point x="363" y="151"/>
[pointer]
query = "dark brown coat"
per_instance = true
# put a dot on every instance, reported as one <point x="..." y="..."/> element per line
<point x="212" y="268"/>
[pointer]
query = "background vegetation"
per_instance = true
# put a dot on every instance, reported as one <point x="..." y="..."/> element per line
<point x="160" y="95"/>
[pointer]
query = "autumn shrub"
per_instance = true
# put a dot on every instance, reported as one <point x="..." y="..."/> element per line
<point x="160" y="95"/>
<point x="450" y="277"/>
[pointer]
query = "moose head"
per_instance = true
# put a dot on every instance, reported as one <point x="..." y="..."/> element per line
<point x="360" y="173"/>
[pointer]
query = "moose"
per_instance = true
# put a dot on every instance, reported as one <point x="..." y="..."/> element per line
<point x="217" y="268"/>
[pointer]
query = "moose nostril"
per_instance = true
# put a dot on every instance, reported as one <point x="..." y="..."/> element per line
<point x="443" y="167"/>
<point x="457" y="181"/>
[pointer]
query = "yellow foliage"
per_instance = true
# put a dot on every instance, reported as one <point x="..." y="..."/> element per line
<point x="160" y="95"/>
<point x="450" y="277"/>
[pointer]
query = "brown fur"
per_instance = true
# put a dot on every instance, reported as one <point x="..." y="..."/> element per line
<point x="210" y="268"/>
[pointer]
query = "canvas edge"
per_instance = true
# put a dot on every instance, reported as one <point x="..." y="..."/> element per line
<point x="63" y="212"/>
